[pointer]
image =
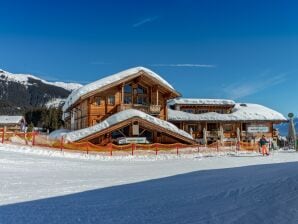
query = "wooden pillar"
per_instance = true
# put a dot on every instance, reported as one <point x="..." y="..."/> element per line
<point x="156" y="95"/>
<point x="122" y="94"/>
<point x="89" y="113"/>
<point x="165" y="110"/>
<point x="106" y="105"/>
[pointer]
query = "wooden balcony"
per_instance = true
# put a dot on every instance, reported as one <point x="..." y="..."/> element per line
<point x="149" y="109"/>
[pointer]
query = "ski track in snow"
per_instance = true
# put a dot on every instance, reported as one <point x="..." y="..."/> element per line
<point x="42" y="186"/>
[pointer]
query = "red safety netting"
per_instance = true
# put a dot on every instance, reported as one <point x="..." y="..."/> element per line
<point x="36" y="139"/>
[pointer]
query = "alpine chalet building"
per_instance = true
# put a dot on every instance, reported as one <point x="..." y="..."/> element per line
<point x="138" y="105"/>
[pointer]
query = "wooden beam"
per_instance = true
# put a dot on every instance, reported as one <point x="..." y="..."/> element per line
<point x="122" y="93"/>
<point x="157" y="96"/>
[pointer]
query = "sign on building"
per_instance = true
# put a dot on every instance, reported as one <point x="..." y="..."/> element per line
<point x="257" y="129"/>
<point x="137" y="140"/>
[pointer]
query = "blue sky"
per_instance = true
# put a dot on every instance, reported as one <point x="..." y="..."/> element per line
<point x="243" y="50"/>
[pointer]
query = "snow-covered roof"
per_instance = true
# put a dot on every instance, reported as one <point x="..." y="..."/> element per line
<point x="194" y="101"/>
<point x="122" y="116"/>
<point x="4" y="119"/>
<point x="75" y="95"/>
<point x="241" y="112"/>
<point x="57" y="134"/>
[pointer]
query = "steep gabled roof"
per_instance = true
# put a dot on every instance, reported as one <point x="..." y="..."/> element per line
<point x="115" y="79"/>
<point x="241" y="112"/>
<point x="123" y="116"/>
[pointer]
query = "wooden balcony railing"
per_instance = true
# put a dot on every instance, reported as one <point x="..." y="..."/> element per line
<point x="150" y="109"/>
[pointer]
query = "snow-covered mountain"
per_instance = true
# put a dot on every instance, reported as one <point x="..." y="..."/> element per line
<point x="25" y="80"/>
<point x="20" y="92"/>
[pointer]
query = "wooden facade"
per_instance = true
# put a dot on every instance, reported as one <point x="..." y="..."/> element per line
<point x="139" y="92"/>
<point x="232" y="130"/>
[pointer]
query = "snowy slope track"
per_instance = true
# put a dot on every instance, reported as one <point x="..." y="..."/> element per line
<point x="51" y="189"/>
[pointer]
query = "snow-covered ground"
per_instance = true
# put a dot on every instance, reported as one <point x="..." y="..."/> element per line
<point x="40" y="186"/>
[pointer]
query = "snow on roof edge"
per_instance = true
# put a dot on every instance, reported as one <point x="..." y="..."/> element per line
<point x="6" y="119"/>
<point x="201" y="101"/>
<point x="119" y="117"/>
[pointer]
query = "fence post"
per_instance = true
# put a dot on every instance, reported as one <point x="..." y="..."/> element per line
<point x="61" y="143"/>
<point x="111" y="149"/>
<point x="33" y="138"/>
<point x="217" y="145"/>
<point x="3" y="133"/>
<point x="132" y="148"/>
<point x="87" y="148"/>
<point x="177" y="148"/>
<point x="156" y="149"/>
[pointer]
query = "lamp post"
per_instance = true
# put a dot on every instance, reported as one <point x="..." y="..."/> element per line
<point x="292" y="131"/>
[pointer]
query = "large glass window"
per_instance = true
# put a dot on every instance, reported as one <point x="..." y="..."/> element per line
<point x="127" y="99"/>
<point x="136" y="95"/>
<point x="212" y="127"/>
<point x="141" y="90"/>
<point x="128" y="94"/>
<point x="142" y="96"/>
<point x="127" y="88"/>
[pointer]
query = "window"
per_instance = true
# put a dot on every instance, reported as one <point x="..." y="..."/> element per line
<point x="142" y="100"/>
<point x="188" y="110"/>
<point x="141" y="90"/>
<point x="141" y="95"/>
<point x="127" y="88"/>
<point x="128" y="94"/>
<point x="202" y="111"/>
<point x="111" y="100"/>
<point x="192" y="127"/>
<point x="228" y="127"/>
<point x="127" y="100"/>
<point x="97" y="101"/>
<point x="212" y="127"/>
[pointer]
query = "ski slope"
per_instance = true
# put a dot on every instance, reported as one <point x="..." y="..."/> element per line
<point x="40" y="186"/>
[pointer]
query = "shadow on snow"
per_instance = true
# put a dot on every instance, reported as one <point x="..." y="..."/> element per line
<point x="252" y="194"/>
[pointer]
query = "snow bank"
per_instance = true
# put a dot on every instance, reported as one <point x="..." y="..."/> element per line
<point x="241" y="112"/>
<point x="75" y="95"/>
<point x="122" y="116"/>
